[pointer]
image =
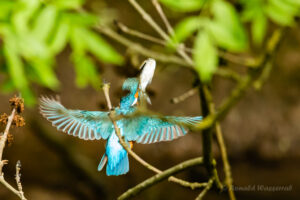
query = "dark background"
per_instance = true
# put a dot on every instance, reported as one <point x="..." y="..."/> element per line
<point x="261" y="133"/>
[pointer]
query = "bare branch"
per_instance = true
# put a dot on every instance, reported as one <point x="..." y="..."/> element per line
<point x="18" y="179"/>
<point x="227" y="170"/>
<point x="163" y="16"/>
<point x="142" y="50"/>
<point x="160" y="177"/>
<point x="3" y="139"/>
<point x="184" y="96"/>
<point x="149" y="19"/>
<point x="203" y="192"/>
<point x="138" y="34"/>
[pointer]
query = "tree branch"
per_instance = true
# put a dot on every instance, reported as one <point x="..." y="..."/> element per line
<point x="149" y="19"/>
<point x="18" y="180"/>
<point x="142" y="50"/>
<point x="3" y="139"/>
<point x="203" y="192"/>
<point x="160" y="177"/>
<point x="185" y="95"/>
<point x="163" y="16"/>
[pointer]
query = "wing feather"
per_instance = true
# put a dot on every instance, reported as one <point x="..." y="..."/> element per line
<point x="87" y="125"/>
<point x="148" y="130"/>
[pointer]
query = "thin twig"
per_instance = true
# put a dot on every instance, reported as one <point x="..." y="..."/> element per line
<point x="220" y="141"/>
<point x="139" y="34"/>
<point x="3" y="162"/>
<point x="159" y="30"/>
<point x="228" y="73"/>
<point x="221" y="71"/>
<point x="138" y="158"/>
<point x="142" y="50"/>
<point x="227" y="170"/>
<point x="8" y="186"/>
<point x="163" y="16"/>
<point x="160" y="177"/>
<point x="205" y="190"/>
<point x="184" y="96"/>
<point x="4" y="136"/>
<point x="149" y="19"/>
<point x="18" y="180"/>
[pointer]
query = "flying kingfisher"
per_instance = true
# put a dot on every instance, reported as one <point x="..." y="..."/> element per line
<point x="91" y="125"/>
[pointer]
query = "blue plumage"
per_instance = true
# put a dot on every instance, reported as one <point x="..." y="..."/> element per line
<point x="91" y="125"/>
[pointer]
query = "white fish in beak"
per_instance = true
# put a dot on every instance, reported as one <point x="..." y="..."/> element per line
<point x="148" y="68"/>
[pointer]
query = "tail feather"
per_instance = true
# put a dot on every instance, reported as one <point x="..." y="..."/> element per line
<point x="121" y="168"/>
<point x="102" y="162"/>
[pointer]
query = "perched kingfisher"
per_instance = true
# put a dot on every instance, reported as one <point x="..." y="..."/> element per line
<point x="91" y="125"/>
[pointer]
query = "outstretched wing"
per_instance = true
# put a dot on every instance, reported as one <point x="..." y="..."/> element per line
<point x="88" y="125"/>
<point x="146" y="130"/>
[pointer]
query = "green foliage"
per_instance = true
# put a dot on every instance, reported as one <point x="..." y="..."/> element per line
<point x="184" y="5"/>
<point x="206" y="58"/>
<point x="219" y="25"/>
<point x="257" y="12"/>
<point x="34" y="32"/>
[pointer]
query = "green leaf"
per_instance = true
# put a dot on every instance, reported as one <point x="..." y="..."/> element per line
<point x="78" y="45"/>
<point x="205" y="56"/>
<point x="86" y="72"/>
<point x="294" y="2"/>
<point x="44" y="22"/>
<point x="60" y="38"/>
<point x="186" y="28"/>
<point x="183" y="5"/>
<point x="279" y="14"/>
<point x="6" y="7"/>
<point x="14" y="64"/>
<point x="31" y="48"/>
<point x="99" y="47"/>
<point x="23" y="11"/>
<point x="226" y="28"/>
<point x="80" y="19"/>
<point x="258" y="28"/>
<point x="285" y="6"/>
<point x="68" y="4"/>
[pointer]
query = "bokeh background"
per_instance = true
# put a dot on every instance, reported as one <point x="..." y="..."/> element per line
<point x="261" y="132"/>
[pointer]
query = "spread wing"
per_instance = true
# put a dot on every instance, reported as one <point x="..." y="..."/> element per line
<point x="146" y="130"/>
<point x="88" y="125"/>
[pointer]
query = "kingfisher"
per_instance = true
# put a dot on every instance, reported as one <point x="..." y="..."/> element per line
<point x="96" y="125"/>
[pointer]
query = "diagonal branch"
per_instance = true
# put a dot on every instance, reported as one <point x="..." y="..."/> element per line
<point x="142" y="50"/>
<point x="163" y="16"/>
<point x="206" y="189"/>
<point x="160" y="177"/>
<point x="149" y="19"/>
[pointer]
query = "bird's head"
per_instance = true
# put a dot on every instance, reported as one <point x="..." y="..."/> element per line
<point x="131" y="85"/>
<point x="137" y="86"/>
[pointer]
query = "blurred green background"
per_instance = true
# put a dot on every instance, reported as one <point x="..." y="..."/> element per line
<point x="51" y="47"/>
